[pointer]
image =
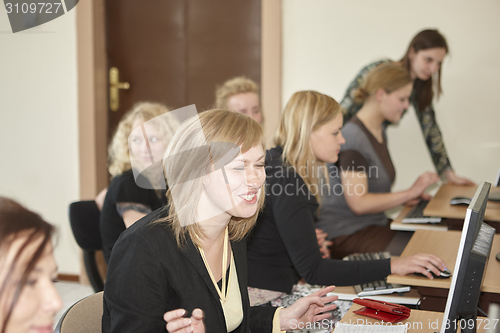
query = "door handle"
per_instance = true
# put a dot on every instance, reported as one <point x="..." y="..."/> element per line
<point x="114" y="86"/>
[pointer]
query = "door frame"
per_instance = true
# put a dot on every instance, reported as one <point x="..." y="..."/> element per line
<point x="92" y="77"/>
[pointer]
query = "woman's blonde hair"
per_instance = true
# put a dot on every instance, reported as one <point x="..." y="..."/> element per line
<point x="387" y="76"/>
<point x="305" y="112"/>
<point x="234" y="86"/>
<point x="192" y="154"/>
<point x="118" y="150"/>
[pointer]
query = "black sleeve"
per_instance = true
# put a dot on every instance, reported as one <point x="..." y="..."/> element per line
<point x="262" y="319"/>
<point x="294" y="218"/>
<point x="126" y="190"/>
<point x="136" y="293"/>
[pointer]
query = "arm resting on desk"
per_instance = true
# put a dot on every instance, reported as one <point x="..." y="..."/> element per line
<point x="370" y="203"/>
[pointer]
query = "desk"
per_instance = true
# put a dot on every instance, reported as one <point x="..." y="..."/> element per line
<point x="419" y="321"/>
<point x="453" y="216"/>
<point x="440" y="203"/>
<point x="409" y="299"/>
<point x="397" y="223"/>
<point x="445" y="245"/>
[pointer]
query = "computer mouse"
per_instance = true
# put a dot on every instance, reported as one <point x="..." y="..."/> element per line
<point x="460" y="201"/>
<point x="444" y="274"/>
<point x="498" y="256"/>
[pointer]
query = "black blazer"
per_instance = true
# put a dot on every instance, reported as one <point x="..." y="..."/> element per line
<point x="149" y="275"/>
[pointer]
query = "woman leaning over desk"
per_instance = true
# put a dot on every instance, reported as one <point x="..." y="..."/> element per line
<point x="352" y="212"/>
<point x="191" y="254"/>
<point x="423" y="60"/>
<point x="282" y="248"/>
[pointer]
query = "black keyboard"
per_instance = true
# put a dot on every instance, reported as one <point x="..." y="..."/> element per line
<point x="416" y="215"/>
<point x="376" y="287"/>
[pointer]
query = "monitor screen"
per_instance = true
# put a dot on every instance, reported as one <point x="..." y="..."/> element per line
<point x="472" y="257"/>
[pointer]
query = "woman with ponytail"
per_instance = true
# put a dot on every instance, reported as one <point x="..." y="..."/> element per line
<point x="423" y="60"/>
<point x="360" y="182"/>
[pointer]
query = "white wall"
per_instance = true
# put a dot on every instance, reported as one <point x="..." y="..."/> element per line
<point x="38" y="124"/>
<point x="326" y="42"/>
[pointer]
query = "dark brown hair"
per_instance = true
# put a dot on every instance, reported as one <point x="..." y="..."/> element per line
<point x="424" y="40"/>
<point x="16" y="221"/>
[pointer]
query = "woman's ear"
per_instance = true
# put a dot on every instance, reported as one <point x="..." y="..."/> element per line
<point x="411" y="53"/>
<point x="379" y="95"/>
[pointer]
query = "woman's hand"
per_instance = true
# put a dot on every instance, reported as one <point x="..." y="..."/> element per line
<point x="178" y="324"/>
<point x="308" y="309"/>
<point x="422" y="182"/>
<point x="418" y="263"/>
<point x="452" y="178"/>
<point x="323" y="243"/>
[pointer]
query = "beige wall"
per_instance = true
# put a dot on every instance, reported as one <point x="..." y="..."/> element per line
<point x="325" y="43"/>
<point x="38" y="124"/>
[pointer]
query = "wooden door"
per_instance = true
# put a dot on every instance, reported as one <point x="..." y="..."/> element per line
<point x="176" y="51"/>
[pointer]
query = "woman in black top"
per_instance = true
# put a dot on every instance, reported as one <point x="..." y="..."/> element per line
<point x="134" y="190"/>
<point x="191" y="254"/>
<point x="282" y="248"/>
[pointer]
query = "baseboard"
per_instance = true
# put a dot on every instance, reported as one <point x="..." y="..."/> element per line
<point x="68" y="277"/>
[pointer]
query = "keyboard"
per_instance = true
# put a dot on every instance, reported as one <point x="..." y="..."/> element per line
<point x="416" y="215"/>
<point x="376" y="287"/>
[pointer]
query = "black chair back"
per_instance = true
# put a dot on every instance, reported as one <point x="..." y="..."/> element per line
<point x="84" y="220"/>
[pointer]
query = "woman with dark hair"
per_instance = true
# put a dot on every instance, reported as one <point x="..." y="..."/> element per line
<point x="423" y="60"/>
<point x="28" y="298"/>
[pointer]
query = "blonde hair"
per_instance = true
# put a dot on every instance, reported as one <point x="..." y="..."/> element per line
<point x="234" y="86"/>
<point x="188" y="160"/>
<point x="118" y="150"/>
<point x="387" y="76"/>
<point x="305" y="112"/>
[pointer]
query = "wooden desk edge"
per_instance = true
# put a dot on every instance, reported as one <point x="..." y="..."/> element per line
<point x="419" y="320"/>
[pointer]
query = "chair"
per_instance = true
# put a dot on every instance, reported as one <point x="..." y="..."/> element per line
<point x="84" y="220"/>
<point x="85" y="316"/>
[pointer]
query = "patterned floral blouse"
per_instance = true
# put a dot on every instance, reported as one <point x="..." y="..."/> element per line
<point x="427" y="119"/>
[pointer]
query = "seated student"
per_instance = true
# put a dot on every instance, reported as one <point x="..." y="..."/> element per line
<point x="125" y="201"/>
<point x="240" y="94"/>
<point x="352" y="210"/>
<point x="423" y="60"/>
<point x="28" y="298"/>
<point x="282" y="247"/>
<point x="191" y="253"/>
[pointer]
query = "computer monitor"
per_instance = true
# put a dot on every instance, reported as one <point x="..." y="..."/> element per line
<point x="472" y="258"/>
<point x="497" y="183"/>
